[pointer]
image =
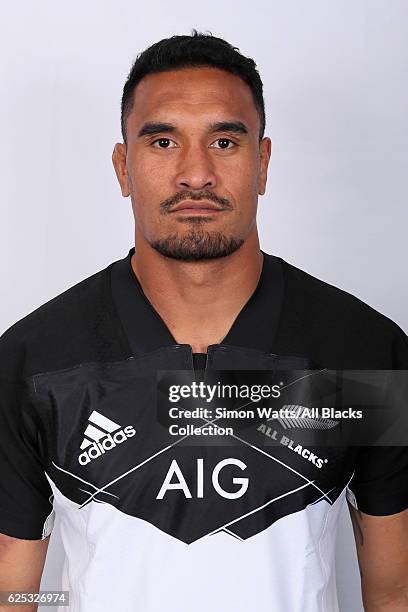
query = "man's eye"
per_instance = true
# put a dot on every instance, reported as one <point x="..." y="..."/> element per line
<point x="223" y="143"/>
<point x="163" y="143"/>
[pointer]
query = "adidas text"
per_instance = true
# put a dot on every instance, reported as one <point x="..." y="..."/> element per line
<point x="96" y="449"/>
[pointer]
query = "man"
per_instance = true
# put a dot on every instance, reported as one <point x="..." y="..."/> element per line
<point x="148" y="522"/>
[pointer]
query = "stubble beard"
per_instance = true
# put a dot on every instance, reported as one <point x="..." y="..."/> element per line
<point x="197" y="244"/>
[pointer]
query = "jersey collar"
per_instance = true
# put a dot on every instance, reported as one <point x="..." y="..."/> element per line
<point x="255" y="326"/>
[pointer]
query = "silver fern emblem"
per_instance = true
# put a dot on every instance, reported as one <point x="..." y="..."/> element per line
<point x="298" y="420"/>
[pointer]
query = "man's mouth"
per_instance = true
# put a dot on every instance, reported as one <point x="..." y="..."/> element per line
<point x="193" y="207"/>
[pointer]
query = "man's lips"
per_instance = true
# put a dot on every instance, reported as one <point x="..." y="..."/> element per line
<point x="196" y="206"/>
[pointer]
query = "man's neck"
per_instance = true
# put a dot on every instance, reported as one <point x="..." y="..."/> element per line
<point x="199" y="301"/>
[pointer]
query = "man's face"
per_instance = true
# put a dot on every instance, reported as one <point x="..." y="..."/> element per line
<point x="193" y="141"/>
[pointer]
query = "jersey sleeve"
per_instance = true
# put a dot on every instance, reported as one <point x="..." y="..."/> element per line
<point x="380" y="482"/>
<point x="26" y="509"/>
<point x="379" y="485"/>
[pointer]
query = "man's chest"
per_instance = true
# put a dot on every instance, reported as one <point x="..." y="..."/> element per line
<point x="110" y="440"/>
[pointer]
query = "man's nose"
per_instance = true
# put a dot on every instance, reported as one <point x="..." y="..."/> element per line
<point x="196" y="169"/>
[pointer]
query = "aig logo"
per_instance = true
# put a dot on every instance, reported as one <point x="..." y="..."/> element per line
<point x="180" y="483"/>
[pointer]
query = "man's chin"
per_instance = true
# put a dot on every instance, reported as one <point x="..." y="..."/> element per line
<point x="197" y="246"/>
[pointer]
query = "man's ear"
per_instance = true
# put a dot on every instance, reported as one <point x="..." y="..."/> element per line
<point x="119" y="163"/>
<point x="265" y="150"/>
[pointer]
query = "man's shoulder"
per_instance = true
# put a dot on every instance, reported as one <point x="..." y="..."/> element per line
<point x="334" y="316"/>
<point x="327" y="299"/>
<point x="66" y="329"/>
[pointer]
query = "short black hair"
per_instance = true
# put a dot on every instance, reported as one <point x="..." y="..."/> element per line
<point x="199" y="49"/>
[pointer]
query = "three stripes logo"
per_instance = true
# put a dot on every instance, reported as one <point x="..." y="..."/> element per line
<point x="101" y="435"/>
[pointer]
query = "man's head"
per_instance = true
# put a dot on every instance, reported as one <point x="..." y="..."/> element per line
<point x="193" y="121"/>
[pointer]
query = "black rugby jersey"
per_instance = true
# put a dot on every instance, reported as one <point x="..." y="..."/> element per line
<point x="150" y="523"/>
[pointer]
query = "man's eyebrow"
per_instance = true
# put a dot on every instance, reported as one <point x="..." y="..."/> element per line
<point x="229" y="126"/>
<point x="152" y="127"/>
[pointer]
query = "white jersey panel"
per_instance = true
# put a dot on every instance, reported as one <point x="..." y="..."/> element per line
<point x="115" y="560"/>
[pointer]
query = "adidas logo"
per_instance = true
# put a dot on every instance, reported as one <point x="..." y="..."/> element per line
<point x="102" y="435"/>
